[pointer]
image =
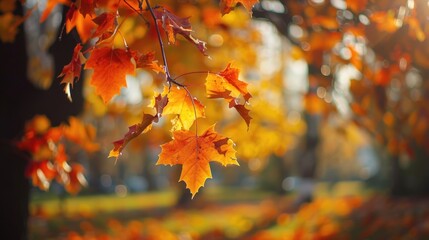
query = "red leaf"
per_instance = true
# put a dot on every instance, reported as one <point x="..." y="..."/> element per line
<point x="87" y="7"/>
<point x="72" y="70"/>
<point x="133" y="132"/>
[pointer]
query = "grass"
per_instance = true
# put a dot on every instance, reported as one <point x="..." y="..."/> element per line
<point x="103" y="203"/>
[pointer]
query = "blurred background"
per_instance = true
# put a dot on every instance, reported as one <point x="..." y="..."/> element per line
<point x="336" y="148"/>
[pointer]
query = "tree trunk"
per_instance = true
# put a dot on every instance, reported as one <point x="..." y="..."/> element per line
<point x="20" y="101"/>
<point x="398" y="184"/>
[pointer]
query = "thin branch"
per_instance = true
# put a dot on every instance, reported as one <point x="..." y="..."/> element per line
<point x="138" y="12"/>
<point x="161" y="44"/>
<point x="189" y="73"/>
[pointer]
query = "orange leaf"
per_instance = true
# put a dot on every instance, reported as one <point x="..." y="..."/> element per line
<point x="50" y="6"/>
<point x="357" y="6"/>
<point x="106" y="25"/>
<point x="81" y="134"/>
<point x="173" y="25"/>
<point x="226" y="85"/>
<point x="194" y="154"/>
<point x="182" y="104"/>
<point x="84" y="24"/>
<point x="147" y="61"/>
<point x="76" y="179"/>
<point x="227" y="6"/>
<point x="110" y="68"/>
<point x="72" y="70"/>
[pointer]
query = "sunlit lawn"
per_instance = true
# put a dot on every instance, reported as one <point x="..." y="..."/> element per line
<point x="218" y="211"/>
<point x="341" y="211"/>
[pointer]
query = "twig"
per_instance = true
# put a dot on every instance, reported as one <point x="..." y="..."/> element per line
<point x="161" y="45"/>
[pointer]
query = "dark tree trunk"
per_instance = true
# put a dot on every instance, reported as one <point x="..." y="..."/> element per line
<point x="398" y="184"/>
<point x="19" y="102"/>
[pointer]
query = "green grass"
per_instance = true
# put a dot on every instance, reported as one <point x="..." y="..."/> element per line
<point x="104" y="203"/>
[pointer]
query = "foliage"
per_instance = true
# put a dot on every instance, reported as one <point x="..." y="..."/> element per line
<point x="47" y="146"/>
<point x="111" y="58"/>
<point x="382" y="43"/>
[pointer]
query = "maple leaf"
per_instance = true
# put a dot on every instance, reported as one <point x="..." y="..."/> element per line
<point x="242" y="110"/>
<point x="106" y="25"/>
<point x="50" y="6"/>
<point x="182" y="104"/>
<point x="41" y="173"/>
<point x="174" y="25"/>
<point x="226" y="85"/>
<point x="133" y="132"/>
<point x="147" y="61"/>
<point x="158" y="103"/>
<point x="75" y="179"/>
<point x="87" y="7"/>
<point x="194" y="154"/>
<point x="84" y="24"/>
<point x="81" y="134"/>
<point x="72" y="70"/>
<point x="227" y="6"/>
<point x="110" y="69"/>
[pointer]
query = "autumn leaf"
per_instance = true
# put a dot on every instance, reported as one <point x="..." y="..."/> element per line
<point x="41" y="173"/>
<point x="226" y="85"/>
<point x="384" y="21"/>
<point x="133" y="132"/>
<point x="50" y="5"/>
<point x="174" y="25"/>
<point x="147" y="61"/>
<point x="110" y="69"/>
<point x="194" y="154"/>
<point x="87" y="7"/>
<point x="84" y="24"/>
<point x="227" y="6"/>
<point x="357" y="6"/>
<point x="159" y="104"/>
<point x="72" y="70"/>
<point x="184" y="106"/>
<point x="81" y="134"/>
<point x="106" y="25"/>
<point x="76" y="179"/>
<point x="242" y="110"/>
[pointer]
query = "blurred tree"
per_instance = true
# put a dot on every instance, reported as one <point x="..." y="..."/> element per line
<point x="369" y="59"/>
<point x="21" y="99"/>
